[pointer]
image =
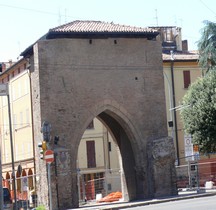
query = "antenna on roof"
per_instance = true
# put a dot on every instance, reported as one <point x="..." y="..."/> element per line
<point x="18" y="49"/>
<point x="176" y="22"/>
<point x="65" y="15"/>
<point x="156" y="17"/>
<point x="59" y="20"/>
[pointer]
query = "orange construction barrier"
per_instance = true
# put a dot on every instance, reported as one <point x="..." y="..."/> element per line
<point x="114" y="196"/>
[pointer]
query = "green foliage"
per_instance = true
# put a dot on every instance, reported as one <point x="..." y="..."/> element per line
<point x="207" y="46"/>
<point x="199" y="114"/>
<point x="41" y="208"/>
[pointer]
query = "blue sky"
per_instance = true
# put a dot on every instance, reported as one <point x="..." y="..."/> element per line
<point x="25" y="21"/>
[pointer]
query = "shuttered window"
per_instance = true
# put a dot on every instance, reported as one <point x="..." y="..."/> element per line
<point x="187" y="79"/>
<point x="90" y="147"/>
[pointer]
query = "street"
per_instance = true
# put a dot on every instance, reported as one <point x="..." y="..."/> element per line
<point x="203" y="203"/>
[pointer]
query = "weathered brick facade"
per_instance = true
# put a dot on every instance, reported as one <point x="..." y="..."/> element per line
<point x="118" y="80"/>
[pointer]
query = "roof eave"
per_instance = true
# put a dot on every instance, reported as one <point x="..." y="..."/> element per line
<point x="180" y="60"/>
<point x="148" y="35"/>
<point x="28" y="51"/>
<point x="12" y="67"/>
<point x="57" y="35"/>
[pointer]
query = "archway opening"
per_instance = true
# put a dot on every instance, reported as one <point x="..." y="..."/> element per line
<point x="105" y="161"/>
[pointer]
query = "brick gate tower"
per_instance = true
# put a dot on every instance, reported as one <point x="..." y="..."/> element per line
<point x="87" y="69"/>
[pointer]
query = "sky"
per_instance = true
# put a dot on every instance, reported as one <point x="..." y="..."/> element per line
<point x="23" y="22"/>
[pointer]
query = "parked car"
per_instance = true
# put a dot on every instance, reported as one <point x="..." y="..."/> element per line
<point x="8" y="204"/>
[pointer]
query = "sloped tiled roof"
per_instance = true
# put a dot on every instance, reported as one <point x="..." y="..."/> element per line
<point x="94" y="29"/>
<point x="99" y="26"/>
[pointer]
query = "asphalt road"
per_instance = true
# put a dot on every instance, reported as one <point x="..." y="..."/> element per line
<point x="202" y="203"/>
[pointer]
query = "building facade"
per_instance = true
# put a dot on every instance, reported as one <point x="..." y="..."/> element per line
<point x="180" y="70"/>
<point x="17" y="147"/>
<point x="98" y="152"/>
<point x="97" y="161"/>
<point x="101" y="76"/>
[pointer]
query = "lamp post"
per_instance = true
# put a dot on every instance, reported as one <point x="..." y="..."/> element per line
<point x="12" y="152"/>
<point x="4" y="91"/>
<point x="170" y="102"/>
<point x="174" y="105"/>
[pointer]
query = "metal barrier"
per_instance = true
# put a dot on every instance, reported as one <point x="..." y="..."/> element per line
<point x="196" y="174"/>
<point x="95" y="186"/>
<point x="25" y="191"/>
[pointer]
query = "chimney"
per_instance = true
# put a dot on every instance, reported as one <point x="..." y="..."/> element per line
<point x="2" y="67"/>
<point x="10" y="62"/>
<point x="184" y="45"/>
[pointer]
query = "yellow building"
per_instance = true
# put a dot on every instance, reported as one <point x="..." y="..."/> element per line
<point x="193" y="169"/>
<point x="180" y="70"/>
<point x="16" y="134"/>
<point x="97" y="162"/>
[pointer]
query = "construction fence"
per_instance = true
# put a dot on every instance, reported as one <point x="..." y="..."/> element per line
<point x="25" y="191"/>
<point x="95" y="186"/>
<point x="200" y="173"/>
<point x="91" y="187"/>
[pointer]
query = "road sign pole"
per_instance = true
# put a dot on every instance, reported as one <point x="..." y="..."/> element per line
<point x="49" y="185"/>
<point x="49" y="156"/>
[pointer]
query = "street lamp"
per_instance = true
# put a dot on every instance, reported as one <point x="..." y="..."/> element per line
<point x="4" y="91"/>
<point x="170" y="101"/>
<point x="46" y="129"/>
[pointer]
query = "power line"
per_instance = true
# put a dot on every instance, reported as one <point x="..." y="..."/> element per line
<point x="28" y="9"/>
<point x="208" y="7"/>
<point x="33" y="10"/>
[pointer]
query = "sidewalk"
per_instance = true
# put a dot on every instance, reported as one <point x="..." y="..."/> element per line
<point x="184" y="194"/>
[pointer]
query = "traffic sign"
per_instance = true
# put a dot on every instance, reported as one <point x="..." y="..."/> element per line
<point x="49" y="156"/>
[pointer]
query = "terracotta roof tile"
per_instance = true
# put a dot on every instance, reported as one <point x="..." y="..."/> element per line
<point x="83" y="29"/>
<point x="99" y="26"/>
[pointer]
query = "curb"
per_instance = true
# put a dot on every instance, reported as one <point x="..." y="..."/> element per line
<point x="144" y="203"/>
<point x="116" y="206"/>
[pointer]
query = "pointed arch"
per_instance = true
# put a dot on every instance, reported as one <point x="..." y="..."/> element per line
<point x="18" y="181"/>
<point x="7" y="180"/>
<point x="30" y="179"/>
<point x="119" y="123"/>
<point x="120" y="114"/>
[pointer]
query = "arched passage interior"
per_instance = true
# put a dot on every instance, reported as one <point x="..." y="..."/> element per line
<point x="120" y="133"/>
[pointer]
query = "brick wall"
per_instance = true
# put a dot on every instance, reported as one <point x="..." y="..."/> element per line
<point x="121" y="81"/>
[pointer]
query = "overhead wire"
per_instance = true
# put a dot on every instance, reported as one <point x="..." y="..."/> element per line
<point x="33" y="10"/>
<point x="208" y="7"/>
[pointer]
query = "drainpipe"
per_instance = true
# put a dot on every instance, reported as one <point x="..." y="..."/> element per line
<point x="174" y="105"/>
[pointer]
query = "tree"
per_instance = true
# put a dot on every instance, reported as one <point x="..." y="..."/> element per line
<point x="199" y="112"/>
<point x="207" y="46"/>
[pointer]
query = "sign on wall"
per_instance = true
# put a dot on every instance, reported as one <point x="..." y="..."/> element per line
<point x="3" y="89"/>
<point x="189" y="155"/>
